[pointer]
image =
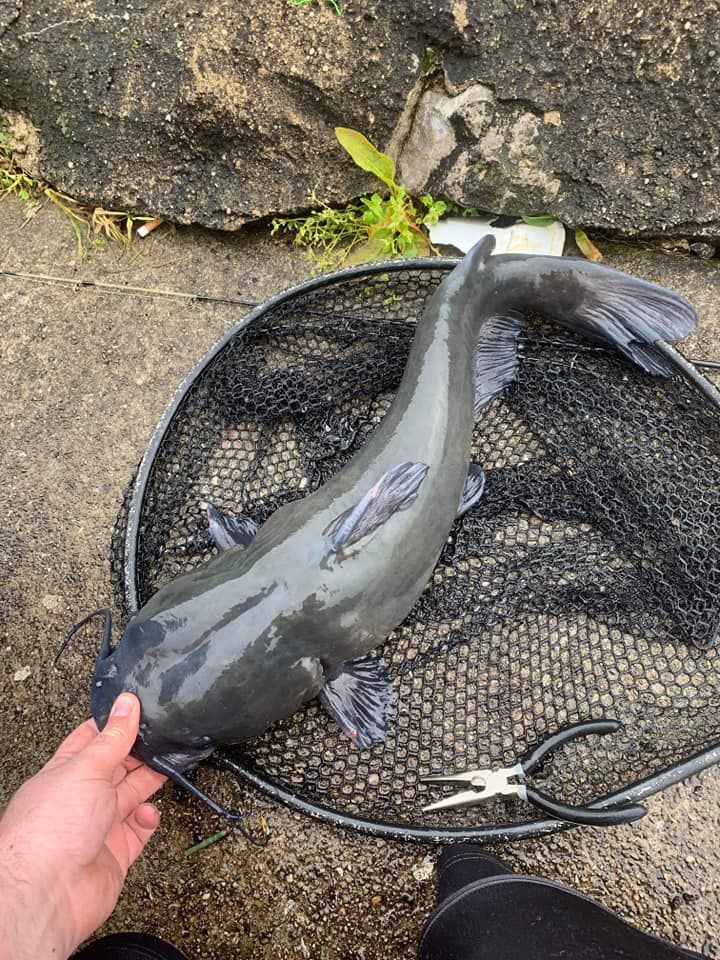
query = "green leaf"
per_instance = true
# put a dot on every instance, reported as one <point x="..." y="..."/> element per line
<point x="586" y="246"/>
<point x="544" y="220"/>
<point x="296" y="4"/>
<point x="434" y="210"/>
<point x="366" y="156"/>
<point x="372" y="249"/>
<point x="375" y="209"/>
<point x="196" y="847"/>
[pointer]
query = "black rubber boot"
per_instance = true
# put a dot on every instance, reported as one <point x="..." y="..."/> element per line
<point x="500" y="916"/>
<point x="463" y="863"/>
<point x="129" y="946"/>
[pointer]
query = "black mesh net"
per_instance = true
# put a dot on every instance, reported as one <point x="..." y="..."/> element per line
<point x="584" y="584"/>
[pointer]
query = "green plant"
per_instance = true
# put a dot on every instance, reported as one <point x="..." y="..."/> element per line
<point x="208" y="841"/>
<point x="89" y="224"/>
<point x="376" y="227"/>
<point x="303" y="3"/>
<point x="584" y="244"/>
<point x="543" y="220"/>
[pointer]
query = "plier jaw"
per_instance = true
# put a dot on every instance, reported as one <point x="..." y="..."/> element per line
<point x="483" y="784"/>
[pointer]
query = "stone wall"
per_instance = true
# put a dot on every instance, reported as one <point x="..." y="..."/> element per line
<point x="218" y="113"/>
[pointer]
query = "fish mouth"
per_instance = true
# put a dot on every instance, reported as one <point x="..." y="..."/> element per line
<point x="103" y="695"/>
<point x="180" y="756"/>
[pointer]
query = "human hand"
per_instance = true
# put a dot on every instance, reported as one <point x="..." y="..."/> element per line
<point x="69" y="835"/>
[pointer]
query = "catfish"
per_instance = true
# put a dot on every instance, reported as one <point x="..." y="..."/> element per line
<point x="293" y="610"/>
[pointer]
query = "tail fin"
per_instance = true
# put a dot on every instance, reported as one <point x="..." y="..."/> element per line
<point x="629" y="314"/>
<point x="600" y="304"/>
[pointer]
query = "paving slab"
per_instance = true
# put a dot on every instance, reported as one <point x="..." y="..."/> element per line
<point x="84" y="377"/>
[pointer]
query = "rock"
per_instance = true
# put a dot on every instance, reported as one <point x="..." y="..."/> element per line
<point x="578" y="110"/>
<point x="706" y="251"/>
<point x="423" y="869"/>
<point x="218" y="113"/>
<point x="21" y="675"/>
<point x="53" y="602"/>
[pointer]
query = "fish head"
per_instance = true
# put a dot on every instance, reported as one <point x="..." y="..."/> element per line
<point x="114" y="674"/>
<point x="151" y="742"/>
<point x="162" y="733"/>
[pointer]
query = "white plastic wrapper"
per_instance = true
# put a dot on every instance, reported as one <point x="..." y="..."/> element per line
<point x="464" y="232"/>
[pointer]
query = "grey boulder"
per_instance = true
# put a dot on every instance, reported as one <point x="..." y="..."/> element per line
<point x="605" y="115"/>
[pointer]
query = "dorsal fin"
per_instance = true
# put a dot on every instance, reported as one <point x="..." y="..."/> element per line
<point x="482" y="251"/>
<point x="486" y="246"/>
<point x="496" y="361"/>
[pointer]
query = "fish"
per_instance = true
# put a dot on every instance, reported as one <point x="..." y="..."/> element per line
<point x="292" y="610"/>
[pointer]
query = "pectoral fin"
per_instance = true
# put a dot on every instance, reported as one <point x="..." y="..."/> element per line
<point x="396" y="490"/>
<point x="229" y="531"/>
<point x="496" y="363"/>
<point x="358" y="695"/>
<point x="473" y="489"/>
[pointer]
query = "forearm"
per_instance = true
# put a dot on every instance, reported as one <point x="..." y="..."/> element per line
<point x="31" y="925"/>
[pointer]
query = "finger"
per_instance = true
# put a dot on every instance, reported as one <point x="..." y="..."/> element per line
<point x="127" y="766"/>
<point x="147" y="816"/>
<point x="114" y="742"/>
<point x="75" y="742"/>
<point x="136" y="788"/>
<point x="132" y="763"/>
<point x="139" y="827"/>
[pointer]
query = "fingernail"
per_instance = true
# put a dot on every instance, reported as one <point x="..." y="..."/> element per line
<point x="123" y="705"/>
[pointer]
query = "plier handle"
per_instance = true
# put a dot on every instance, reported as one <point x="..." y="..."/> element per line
<point x="511" y="781"/>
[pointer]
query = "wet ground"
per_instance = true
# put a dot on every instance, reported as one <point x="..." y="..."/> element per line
<point x="85" y="375"/>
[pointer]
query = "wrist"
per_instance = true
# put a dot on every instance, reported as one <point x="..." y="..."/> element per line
<point x="32" y="925"/>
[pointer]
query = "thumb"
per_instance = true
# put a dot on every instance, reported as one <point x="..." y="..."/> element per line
<point x="114" y="742"/>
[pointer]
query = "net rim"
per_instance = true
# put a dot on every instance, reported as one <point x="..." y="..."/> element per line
<point x="646" y="787"/>
<point x="490" y="833"/>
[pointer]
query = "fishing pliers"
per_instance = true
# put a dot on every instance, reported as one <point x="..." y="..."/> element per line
<point x="487" y="783"/>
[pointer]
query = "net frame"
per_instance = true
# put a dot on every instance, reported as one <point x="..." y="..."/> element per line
<point x="130" y="527"/>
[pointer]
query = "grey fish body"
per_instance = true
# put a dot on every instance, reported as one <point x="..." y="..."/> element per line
<point x="220" y="653"/>
<point x="253" y="631"/>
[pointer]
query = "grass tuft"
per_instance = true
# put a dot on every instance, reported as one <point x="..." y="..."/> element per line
<point x="295" y="4"/>
<point x="377" y="227"/>
<point x="91" y="226"/>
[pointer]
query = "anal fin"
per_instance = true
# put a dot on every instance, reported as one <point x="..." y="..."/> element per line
<point x="358" y="695"/>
